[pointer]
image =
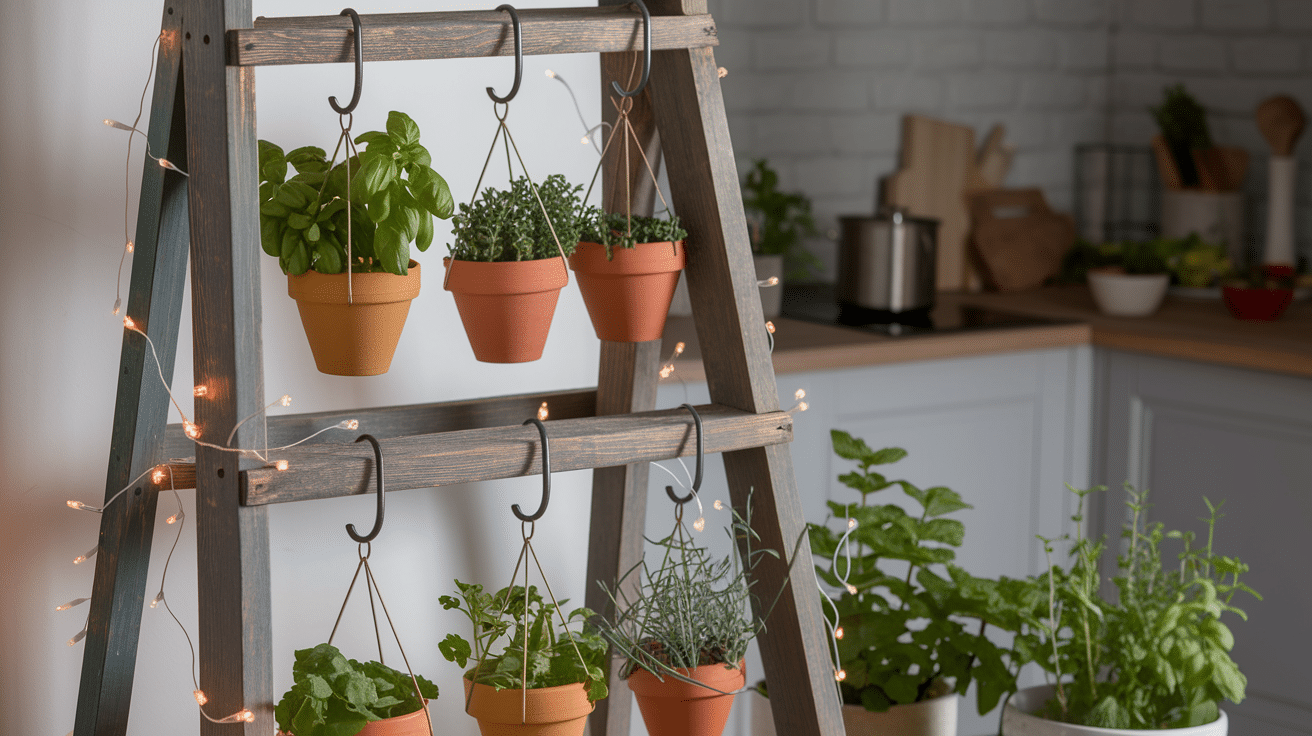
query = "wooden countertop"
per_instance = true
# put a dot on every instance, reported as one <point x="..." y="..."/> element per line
<point x="1188" y="329"/>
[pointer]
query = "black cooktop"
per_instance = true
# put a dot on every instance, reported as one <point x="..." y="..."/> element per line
<point x="817" y="303"/>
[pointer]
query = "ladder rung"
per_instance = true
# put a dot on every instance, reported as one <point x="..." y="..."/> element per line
<point x="424" y="461"/>
<point x="324" y="39"/>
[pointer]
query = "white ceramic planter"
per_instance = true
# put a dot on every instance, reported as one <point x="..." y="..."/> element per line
<point x="1128" y="295"/>
<point x="936" y="717"/>
<point x="1017" y="721"/>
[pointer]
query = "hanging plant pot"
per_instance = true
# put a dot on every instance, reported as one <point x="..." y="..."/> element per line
<point x="1018" y="721"/>
<point x="506" y="307"/>
<point x="359" y="337"/>
<point x="629" y="295"/>
<point x="676" y="708"/>
<point x="544" y="711"/>
<point x="410" y="724"/>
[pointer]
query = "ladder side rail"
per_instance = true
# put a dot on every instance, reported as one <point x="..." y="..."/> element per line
<point x="232" y="541"/>
<point x="155" y="293"/>
<point x="730" y="327"/>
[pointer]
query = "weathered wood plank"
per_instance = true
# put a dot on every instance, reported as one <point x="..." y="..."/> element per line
<point x="398" y="421"/>
<point x="425" y="461"/>
<point x="463" y="34"/>
<point x="232" y="541"/>
<point x="159" y="272"/>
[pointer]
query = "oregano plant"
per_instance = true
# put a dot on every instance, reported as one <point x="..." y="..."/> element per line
<point x="627" y="231"/>
<point x="511" y="225"/>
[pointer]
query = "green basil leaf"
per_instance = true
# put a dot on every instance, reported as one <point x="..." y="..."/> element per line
<point x="290" y="238"/>
<point x="378" y="173"/>
<point x="389" y="250"/>
<point x="328" y="260"/>
<point x="299" y="261"/>
<point x="424" y="237"/>
<point x="402" y="129"/>
<point x="298" y="220"/>
<point x="274" y="208"/>
<point x="271" y="236"/>
<point x="312" y="233"/>
<point x="380" y="206"/>
<point x="430" y="190"/>
<point x="417" y="154"/>
<point x="291" y="196"/>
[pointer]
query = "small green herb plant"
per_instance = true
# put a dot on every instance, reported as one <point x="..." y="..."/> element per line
<point x="780" y="220"/>
<point x="552" y="655"/>
<point x="905" y="635"/>
<point x="395" y="194"/>
<point x="617" y="228"/>
<point x="1183" y="122"/>
<point x="1159" y="656"/>
<point x="508" y="224"/>
<point x="1190" y="260"/>
<point x="335" y="696"/>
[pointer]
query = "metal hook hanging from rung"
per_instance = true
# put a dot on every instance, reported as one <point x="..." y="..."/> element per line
<point x="519" y="57"/>
<point x="646" y="54"/>
<point x="359" y="65"/>
<point x="546" y="475"/>
<point x="701" y="459"/>
<point x="378" y="519"/>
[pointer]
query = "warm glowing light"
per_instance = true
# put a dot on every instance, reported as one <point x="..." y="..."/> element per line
<point x="551" y="74"/>
<point x="200" y="391"/>
<point x="772" y="281"/>
<point x="851" y="589"/>
<point x="840" y="675"/>
<point x="158" y="599"/>
<point x="769" y="327"/>
<point x="838" y="633"/>
<point x="803" y="406"/>
<point x="286" y="400"/>
<point x="542" y="412"/>
<point x="175" y="518"/>
<point x="667" y="371"/>
<point x="128" y="323"/>
<point x="678" y="349"/>
<point x="190" y="429"/>
<point x="131" y="246"/>
<point x="201" y="698"/>
<point x="352" y="424"/>
<point x="700" y="524"/>
<point x="117" y="124"/>
<point x="721" y="72"/>
<point x="118" y="305"/>
<point x="86" y="555"/>
<point x="75" y="504"/>
<point x="72" y="603"/>
<point x="799" y="394"/>
<point x="584" y="140"/>
<point x="718" y="505"/>
<point x="79" y="636"/>
<point x="280" y="465"/>
<point x="157" y="477"/>
<point x="851" y="523"/>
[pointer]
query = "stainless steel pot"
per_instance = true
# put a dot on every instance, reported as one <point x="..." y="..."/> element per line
<point x="886" y="263"/>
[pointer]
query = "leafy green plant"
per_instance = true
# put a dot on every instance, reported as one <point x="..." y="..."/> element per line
<point x="394" y="191"/>
<point x="1156" y="658"/>
<point x="555" y="656"/>
<point x="904" y="636"/>
<point x="779" y="219"/>
<point x="617" y="228"/>
<point x="1146" y="257"/>
<point x="508" y="225"/>
<point x="335" y="696"/>
<point x="1183" y="122"/>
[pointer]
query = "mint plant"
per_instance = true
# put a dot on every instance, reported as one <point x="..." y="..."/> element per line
<point x="619" y="229"/>
<point x="508" y="225"/>
<point x="335" y="696"/>
<point x="1156" y="658"/>
<point x="395" y="194"/>
<point x="552" y="659"/>
<point x="779" y="219"/>
<point x="905" y="634"/>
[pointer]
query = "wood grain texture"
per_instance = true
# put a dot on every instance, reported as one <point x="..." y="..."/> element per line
<point x="159" y="268"/>
<point x="397" y="421"/>
<point x="463" y="34"/>
<point x="426" y="461"/>
<point x="234" y="631"/>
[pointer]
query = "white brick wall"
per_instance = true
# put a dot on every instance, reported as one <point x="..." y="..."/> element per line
<point x="819" y="86"/>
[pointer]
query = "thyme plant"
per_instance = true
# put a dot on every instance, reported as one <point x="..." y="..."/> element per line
<point x="616" y="228"/>
<point x="508" y="224"/>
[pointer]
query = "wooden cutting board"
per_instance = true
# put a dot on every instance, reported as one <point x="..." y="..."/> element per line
<point x="1018" y="239"/>
<point x="938" y="170"/>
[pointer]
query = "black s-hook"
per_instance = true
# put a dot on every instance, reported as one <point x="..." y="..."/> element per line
<point x="378" y="519"/>
<point x="546" y="476"/>
<point x="701" y="457"/>
<point x="646" y="53"/>
<point x="359" y="66"/>
<point x="519" y="59"/>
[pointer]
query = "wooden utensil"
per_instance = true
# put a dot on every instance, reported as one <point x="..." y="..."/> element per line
<point x="1166" y="164"/>
<point x="1019" y="240"/>
<point x="995" y="157"/>
<point x="1281" y="120"/>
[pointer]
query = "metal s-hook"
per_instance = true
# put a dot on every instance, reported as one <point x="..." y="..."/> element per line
<point x="646" y="54"/>
<point x="519" y="57"/>
<point x="546" y="475"/>
<point x="378" y="519"/>
<point x="359" y="65"/>
<point x="701" y="458"/>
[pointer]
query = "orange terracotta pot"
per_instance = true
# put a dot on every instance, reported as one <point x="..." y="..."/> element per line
<point x="360" y="337"/>
<point x="629" y="296"/>
<point x="410" y="724"/>
<point x="674" y="707"/>
<point x="506" y="307"/>
<point x="547" y="711"/>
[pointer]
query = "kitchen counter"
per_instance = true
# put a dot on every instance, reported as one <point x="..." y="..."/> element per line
<point x="1183" y="328"/>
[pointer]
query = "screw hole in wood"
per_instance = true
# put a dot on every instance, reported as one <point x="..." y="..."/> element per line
<point x="206" y="39"/>
<point x="220" y="472"/>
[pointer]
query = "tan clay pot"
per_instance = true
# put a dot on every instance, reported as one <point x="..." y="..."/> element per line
<point x="547" y="711"/>
<point x="628" y="296"/>
<point x="506" y="307"/>
<point x="675" y="708"/>
<point x="410" y="724"/>
<point x="359" y="338"/>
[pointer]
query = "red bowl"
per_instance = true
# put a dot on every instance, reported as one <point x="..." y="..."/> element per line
<point x="1257" y="304"/>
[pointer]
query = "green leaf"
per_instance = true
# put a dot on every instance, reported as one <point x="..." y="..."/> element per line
<point x="380" y="206"/>
<point x="424" y="237"/>
<point x="848" y="447"/>
<point x="417" y="154"/>
<point x="402" y="129"/>
<point x="389" y="249"/>
<point x="328" y="259"/>
<point x="308" y="159"/>
<point x="430" y="190"/>
<point x="939" y="501"/>
<point x="312" y="233"/>
<point x="273" y="208"/>
<point x="299" y="260"/>
<point x="271" y="236"/>
<point x="379" y="172"/>
<point x="299" y="221"/>
<point x="290" y="239"/>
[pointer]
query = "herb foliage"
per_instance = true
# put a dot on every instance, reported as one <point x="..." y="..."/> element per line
<point x="335" y="696"/>
<point x="779" y="219"/>
<point x="508" y="224"/>
<point x="552" y="659"/>
<point x="395" y="194"/>
<point x="617" y="228"/>
<point x="1183" y="122"/>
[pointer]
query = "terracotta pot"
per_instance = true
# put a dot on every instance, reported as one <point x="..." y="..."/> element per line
<point x="676" y="708"/>
<point x="410" y="724"/>
<point x="628" y="296"/>
<point x="1017" y="721"/>
<point x="360" y="337"/>
<point x="933" y="717"/>
<point x="1257" y="304"/>
<point x="506" y="307"/>
<point x="547" y="711"/>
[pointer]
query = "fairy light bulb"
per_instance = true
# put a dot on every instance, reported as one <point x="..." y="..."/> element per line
<point x="838" y="633"/>
<point x="201" y="697"/>
<point x="351" y="424"/>
<point x="117" y="124"/>
<point x="799" y="394"/>
<point x="584" y="140"/>
<point x="190" y="429"/>
<point x="721" y="72"/>
<point x="667" y="371"/>
<point x="71" y="604"/>
<point x="79" y="636"/>
<point x="772" y="281"/>
<point x="551" y="74"/>
<point x="157" y="600"/>
<point x="286" y="400"/>
<point x="131" y="246"/>
<point x="840" y="675"/>
<point x="678" y="349"/>
<point x="851" y="523"/>
<point x="769" y="327"/>
<point x="157" y="477"/>
<point x="201" y="391"/>
<point x="700" y="524"/>
<point x="175" y="518"/>
<point x="543" y="412"/>
<point x="803" y="406"/>
<point x="75" y="504"/>
<point x="128" y="323"/>
<point x="851" y="588"/>
<point x="280" y="465"/>
<point x="86" y="555"/>
<point x="118" y="305"/>
<point x="718" y="505"/>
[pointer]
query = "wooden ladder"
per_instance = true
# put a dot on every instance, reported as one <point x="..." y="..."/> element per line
<point x="203" y="118"/>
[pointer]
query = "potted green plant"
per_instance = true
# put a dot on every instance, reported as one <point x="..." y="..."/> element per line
<point x="682" y="628"/>
<point x="546" y="679"/>
<point x="1125" y="279"/>
<point x="503" y="269"/>
<point x="335" y="696"/>
<point x="1157" y="658"/>
<point x="353" y="309"/>
<point x="778" y="221"/>
<point x="907" y="641"/>
<point x="628" y="267"/>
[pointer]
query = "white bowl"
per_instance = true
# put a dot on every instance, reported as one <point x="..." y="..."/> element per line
<point x="1017" y="721"/>
<point x="1128" y="295"/>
